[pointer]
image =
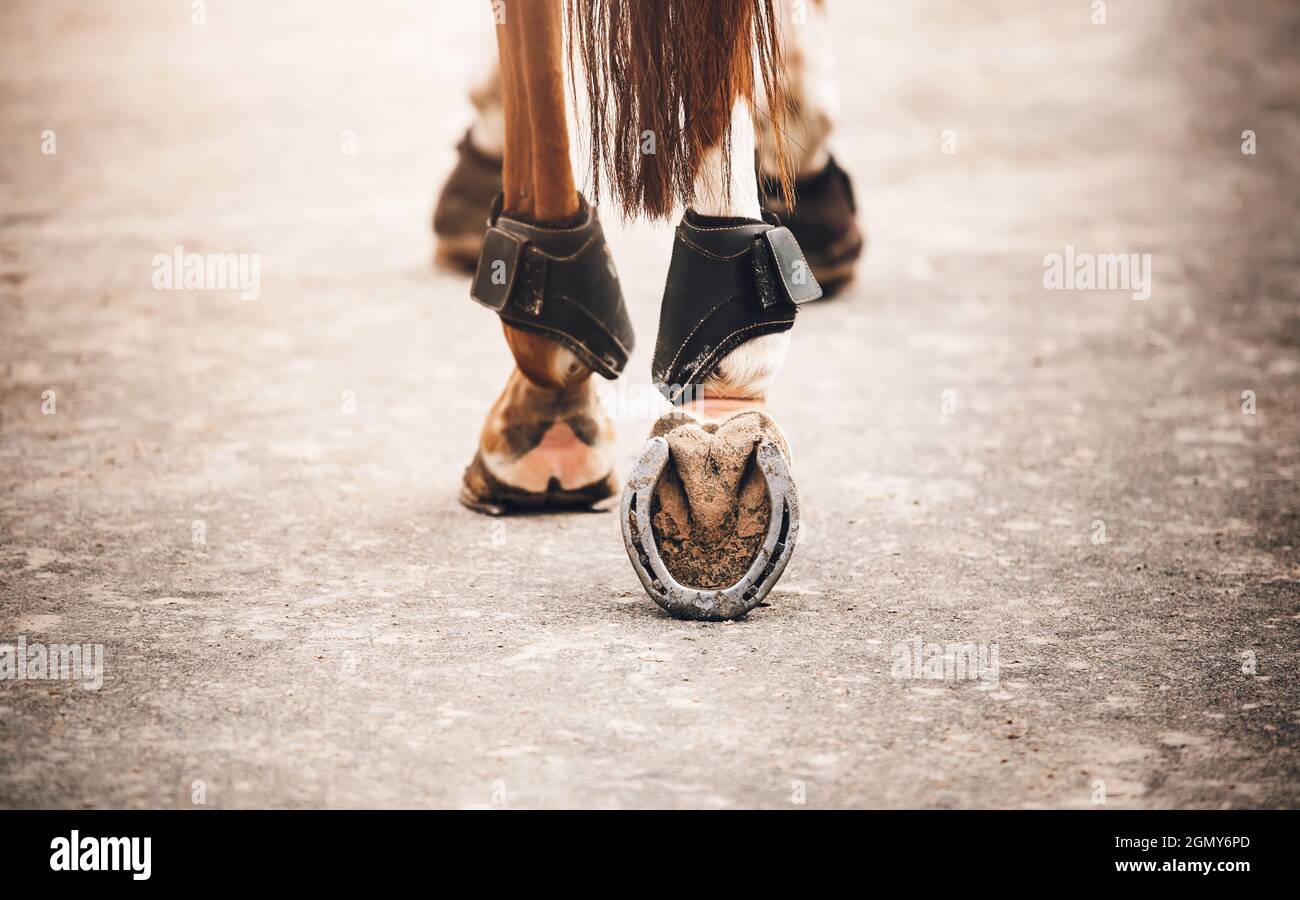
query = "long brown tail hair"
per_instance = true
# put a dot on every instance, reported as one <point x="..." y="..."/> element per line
<point x="672" y="69"/>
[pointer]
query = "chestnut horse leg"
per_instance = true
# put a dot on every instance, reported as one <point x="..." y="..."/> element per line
<point x="546" y="442"/>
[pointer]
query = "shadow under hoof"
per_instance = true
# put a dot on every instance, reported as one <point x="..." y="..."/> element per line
<point x="484" y="493"/>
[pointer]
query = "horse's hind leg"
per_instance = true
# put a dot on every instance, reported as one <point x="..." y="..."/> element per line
<point x="825" y="217"/>
<point x="466" y="196"/>
<point x="546" y="442"/>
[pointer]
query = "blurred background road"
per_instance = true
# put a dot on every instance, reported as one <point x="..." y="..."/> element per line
<point x="345" y="634"/>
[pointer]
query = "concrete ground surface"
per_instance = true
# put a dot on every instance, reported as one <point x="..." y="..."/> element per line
<point x="251" y="504"/>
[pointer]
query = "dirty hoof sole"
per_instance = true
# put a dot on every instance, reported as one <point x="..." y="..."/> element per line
<point x="686" y="602"/>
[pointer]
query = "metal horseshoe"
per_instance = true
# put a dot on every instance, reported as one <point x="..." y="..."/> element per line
<point x="682" y="601"/>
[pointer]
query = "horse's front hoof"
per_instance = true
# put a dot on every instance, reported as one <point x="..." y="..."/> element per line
<point x="710" y="515"/>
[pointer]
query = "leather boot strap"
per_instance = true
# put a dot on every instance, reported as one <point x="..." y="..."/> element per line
<point x="557" y="282"/>
<point x="725" y="286"/>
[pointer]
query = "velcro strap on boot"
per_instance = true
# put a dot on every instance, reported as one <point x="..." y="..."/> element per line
<point x="559" y="282"/>
<point x="494" y="281"/>
<point x="726" y="285"/>
<point x="793" y="271"/>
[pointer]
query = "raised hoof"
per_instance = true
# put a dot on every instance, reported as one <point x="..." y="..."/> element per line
<point x="710" y="515"/>
<point x="483" y="492"/>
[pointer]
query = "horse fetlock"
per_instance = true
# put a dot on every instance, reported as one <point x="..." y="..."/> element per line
<point x="731" y="283"/>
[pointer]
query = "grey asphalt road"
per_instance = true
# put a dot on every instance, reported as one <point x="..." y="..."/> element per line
<point x="251" y="504"/>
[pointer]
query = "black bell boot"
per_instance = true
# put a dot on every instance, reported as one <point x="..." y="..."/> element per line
<point x="730" y="280"/>
<point x="558" y="280"/>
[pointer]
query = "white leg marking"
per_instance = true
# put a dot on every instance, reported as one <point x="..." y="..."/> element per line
<point x="747" y="372"/>
<point x="711" y="195"/>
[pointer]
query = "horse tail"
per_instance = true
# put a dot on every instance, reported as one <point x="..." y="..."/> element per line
<point x="661" y="78"/>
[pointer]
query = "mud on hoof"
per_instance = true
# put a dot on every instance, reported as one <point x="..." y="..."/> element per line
<point x="710" y="515"/>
